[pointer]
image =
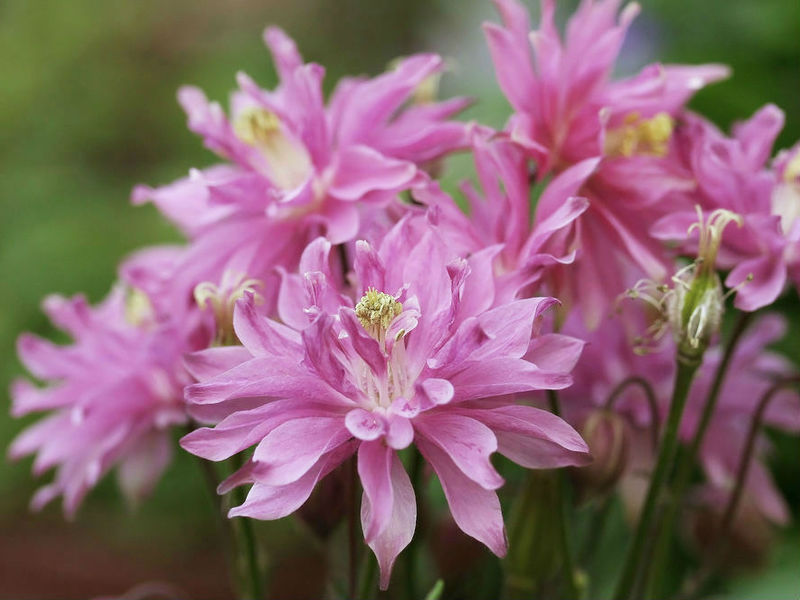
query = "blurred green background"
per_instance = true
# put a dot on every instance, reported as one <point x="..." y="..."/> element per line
<point x="87" y="110"/>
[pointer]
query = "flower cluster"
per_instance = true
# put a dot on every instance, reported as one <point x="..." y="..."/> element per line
<point x="334" y="303"/>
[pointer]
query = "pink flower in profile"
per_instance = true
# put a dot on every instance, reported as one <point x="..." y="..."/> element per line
<point x="297" y="168"/>
<point x="422" y="357"/>
<point x="732" y="173"/>
<point x="113" y="396"/>
<point x="568" y="110"/>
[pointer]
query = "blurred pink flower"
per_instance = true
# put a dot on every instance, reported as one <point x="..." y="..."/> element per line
<point x="568" y="110"/>
<point x="732" y="173"/>
<point x="298" y="168"/>
<point x="421" y="358"/>
<point x="114" y="395"/>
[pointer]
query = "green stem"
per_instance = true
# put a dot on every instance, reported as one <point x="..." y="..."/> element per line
<point x="411" y="550"/>
<point x="251" y="578"/>
<point x="352" y="529"/>
<point x="657" y="554"/>
<point x="568" y="562"/>
<point x="649" y="394"/>
<point x="666" y="457"/>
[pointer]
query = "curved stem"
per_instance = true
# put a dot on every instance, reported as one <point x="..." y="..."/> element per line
<point x="666" y="457"/>
<point x="651" y="402"/>
<point x="660" y="545"/>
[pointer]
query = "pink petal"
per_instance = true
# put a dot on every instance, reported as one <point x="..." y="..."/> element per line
<point x="534" y="438"/>
<point x="361" y="170"/>
<point x="292" y="448"/>
<point x="398" y="531"/>
<point x="467" y="442"/>
<point x="475" y="510"/>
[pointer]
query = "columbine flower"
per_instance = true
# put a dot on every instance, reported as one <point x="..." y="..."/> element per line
<point x="419" y="357"/>
<point x="297" y="168"/>
<point x="731" y="175"/>
<point x="114" y="395"/>
<point x="568" y="110"/>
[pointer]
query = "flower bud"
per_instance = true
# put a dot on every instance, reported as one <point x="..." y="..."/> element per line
<point x="696" y="305"/>
<point x="606" y="434"/>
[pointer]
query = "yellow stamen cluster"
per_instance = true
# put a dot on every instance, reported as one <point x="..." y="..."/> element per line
<point x="138" y="308"/>
<point x="792" y="169"/>
<point x="257" y="126"/>
<point x="376" y="310"/>
<point x="637" y="136"/>
<point x="222" y="300"/>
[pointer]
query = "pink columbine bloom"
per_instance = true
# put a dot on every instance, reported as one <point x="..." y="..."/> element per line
<point x="296" y="168"/>
<point x="732" y="173"/>
<point x="568" y="110"/>
<point x="113" y="396"/>
<point x="421" y="358"/>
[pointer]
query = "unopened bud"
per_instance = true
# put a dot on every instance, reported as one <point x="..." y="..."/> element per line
<point x="696" y="305"/>
<point x="606" y="434"/>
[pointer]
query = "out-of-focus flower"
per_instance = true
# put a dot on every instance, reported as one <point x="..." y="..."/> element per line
<point x="731" y="174"/>
<point x="114" y="395"/>
<point x="421" y="357"/>
<point x="568" y="110"/>
<point x="298" y="168"/>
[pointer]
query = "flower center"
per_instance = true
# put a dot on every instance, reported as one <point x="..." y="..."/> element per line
<point x="222" y="300"/>
<point x="138" y="308"/>
<point x="376" y="310"/>
<point x="637" y="136"/>
<point x="288" y="160"/>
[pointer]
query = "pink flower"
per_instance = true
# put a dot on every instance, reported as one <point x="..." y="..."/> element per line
<point x="731" y="173"/>
<point x="568" y="110"/>
<point x="422" y="357"/>
<point x="297" y="168"/>
<point x="113" y="396"/>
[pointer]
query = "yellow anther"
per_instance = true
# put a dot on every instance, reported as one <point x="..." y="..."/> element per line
<point x="637" y="136"/>
<point x="138" y="308"/>
<point x="376" y="310"/>
<point x="288" y="161"/>
<point x="792" y="169"/>
<point x="257" y="126"/>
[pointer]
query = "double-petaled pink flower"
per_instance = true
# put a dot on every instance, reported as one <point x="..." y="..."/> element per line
<point x="297" y="168"/>
<point x="113" y="396"/>
<point x="423" y="358"/>
<point x="568" y="110"/>
<point x="732" y="173"/>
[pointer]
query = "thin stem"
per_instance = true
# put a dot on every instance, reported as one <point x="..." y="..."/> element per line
<point x="411" y="550"/>
<point x="718" y="551"/>
<point x="596" y="528"/>
<point x="352" y="530"/>
<point x="650" y="395"/>
<point x="563" y="502"/>
<point x="660" y="545"/>
<point x="251" y="578"/>
<point x="664" y="463"/>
